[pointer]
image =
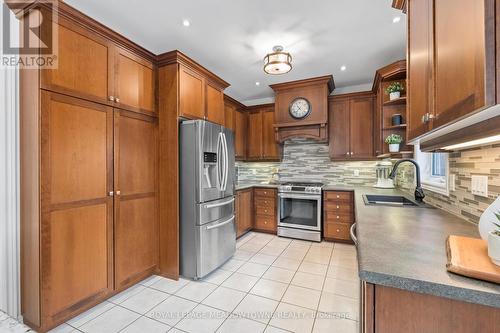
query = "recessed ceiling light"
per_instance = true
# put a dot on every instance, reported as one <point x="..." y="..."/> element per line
<point x="343" y="68"/>
<point x="257" y="83"/>
<point x="186" y="23"/>
<point x="396" y="19"/>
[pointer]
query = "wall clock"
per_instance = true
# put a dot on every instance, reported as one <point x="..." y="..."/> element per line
<point x="299" y="108"/>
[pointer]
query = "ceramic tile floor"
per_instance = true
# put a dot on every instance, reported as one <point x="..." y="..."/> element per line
<point x="270" y="285"/>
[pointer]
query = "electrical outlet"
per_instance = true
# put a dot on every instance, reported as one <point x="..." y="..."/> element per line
<point x="356" y="173"/>
<point x="479" y="185"/>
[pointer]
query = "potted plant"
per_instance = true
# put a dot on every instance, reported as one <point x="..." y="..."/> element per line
<point x="394" y="140"/>
<point x="494" y="242"/>
<point x="394" y="90"/>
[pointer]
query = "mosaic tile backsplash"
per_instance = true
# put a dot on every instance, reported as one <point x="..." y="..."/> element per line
<point x="463" y="164"/>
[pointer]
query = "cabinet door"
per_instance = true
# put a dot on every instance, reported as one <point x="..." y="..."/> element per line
<point x="420" y="66"/>
<point x="229" y="116"/>
<point x="246" y="209"/>
<point x="270" y="149"/>
<point x="84" y="64"/>
<point x="134" y="82"/>
<point x="77" y="213"/>
<point x="339" y="129"/>
<point x="464" y="55"/>
<point x="136" y="217"/>
<point x="215" y="104"/>
<point x="191" y="94"/>
<point x="240" y="129"/>
<point x="361" y="133"/>
<point x="254" y="150"/>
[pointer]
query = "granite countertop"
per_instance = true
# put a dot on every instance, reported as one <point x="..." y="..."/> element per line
<point x="243" y="186"/>
<point x="405" y="248"/>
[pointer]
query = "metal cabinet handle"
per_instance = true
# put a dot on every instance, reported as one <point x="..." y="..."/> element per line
<point x="338" y="196"/>
<point x="118" y="192"/>
<point x="111" y="193"/>
<point x="338" y="207"/>
<point x="338" y="217"/>
<point x="220" y="224"/>
<point x="338" y="230"/>
<point x="220" y="204"/>
<point x="117" y="100"/>
<point x="111" y="98"/>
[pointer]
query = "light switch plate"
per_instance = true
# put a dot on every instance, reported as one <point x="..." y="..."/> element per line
<point x="356" y="173"/>
<point x="479" y="185"/>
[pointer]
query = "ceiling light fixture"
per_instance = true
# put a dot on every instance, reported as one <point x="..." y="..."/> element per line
<point x="343" y="68"/>
<point x="277" y="62"/>
<point x="257" y="83"/>
<point x="474" y="143"/>
<point x="186" y="23"/>
<point x="396" y="19"/>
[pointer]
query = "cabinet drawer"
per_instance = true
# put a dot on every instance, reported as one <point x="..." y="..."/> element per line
<point x="267" y="211"/>
<point x="265" y="192"/>
<point x="338" y="196"/>
<point x="341" y="207"/>
<point x="337" y="231"/>
<point x="265" y="202"/>
<point x="265" y="222"/>
<point x="333" y="217"/>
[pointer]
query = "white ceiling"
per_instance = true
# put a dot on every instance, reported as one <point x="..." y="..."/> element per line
<point x="231" y="37"/>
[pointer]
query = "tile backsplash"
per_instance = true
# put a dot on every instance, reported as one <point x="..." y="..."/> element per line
<point x="463" y="164"/>
<point x="306" y="159"/>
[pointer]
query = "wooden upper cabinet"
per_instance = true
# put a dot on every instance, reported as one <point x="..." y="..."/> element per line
<point x="85" y="61"/>
<point x="464" y="40"/>
<point x="270" y="149"/>
<point x="339" y="129"/>
<point x="254" y="143"/>
<point x="192" y="94"/>
<point x="134" y="82"/>
<point x="215" y="104"/>
<point x="229" y="115"/>
<point x="361" y="124"/>
<point x="420" y="66"/>
<point x="240" y="129"/>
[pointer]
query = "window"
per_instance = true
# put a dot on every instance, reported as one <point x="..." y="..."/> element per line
<point x="434" y="171"/>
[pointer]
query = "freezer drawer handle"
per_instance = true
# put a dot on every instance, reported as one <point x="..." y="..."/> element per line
<point x="220" y="204"/>
<point x="220" y="224"/>
<point x="352" y="231"/>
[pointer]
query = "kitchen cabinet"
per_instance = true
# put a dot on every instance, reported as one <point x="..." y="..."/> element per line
<point x="244" y="211"/>
<point x="215" y="104"/>
<point x="261" y="135"/>
<point x="351" y="126"/>
<point x="229" y="120"/>
<point x="338" y="215"/>
<point x="265" y="201"/>
<point x="191" y="94"/>
<point x="240" y="136"/>
<point x="451" y="52"/>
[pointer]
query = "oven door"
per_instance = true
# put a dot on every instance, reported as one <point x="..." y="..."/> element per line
<point x="301" y="211"/>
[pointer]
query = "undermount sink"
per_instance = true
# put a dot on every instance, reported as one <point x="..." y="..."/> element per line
<point x="388" y="200"/>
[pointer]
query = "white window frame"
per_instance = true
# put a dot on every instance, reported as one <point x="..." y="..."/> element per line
<point x="439" y="185"/>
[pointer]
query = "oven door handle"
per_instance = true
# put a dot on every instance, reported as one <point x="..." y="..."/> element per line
<point x="299" y="196"/>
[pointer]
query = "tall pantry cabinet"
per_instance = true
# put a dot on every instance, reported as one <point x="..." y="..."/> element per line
<point x="89" y="150"/>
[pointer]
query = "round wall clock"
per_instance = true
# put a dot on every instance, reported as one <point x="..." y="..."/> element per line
<point x="300" y="108"/>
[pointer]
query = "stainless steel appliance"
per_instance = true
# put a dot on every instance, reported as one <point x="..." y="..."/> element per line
<point x="299" y="210"/>
<point x="207" y="227"/>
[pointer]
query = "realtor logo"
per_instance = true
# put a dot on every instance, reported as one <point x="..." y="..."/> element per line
<point x="34" y="44"/>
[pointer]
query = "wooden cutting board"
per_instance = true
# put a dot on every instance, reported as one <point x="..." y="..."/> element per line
<point x="469" y="257"/>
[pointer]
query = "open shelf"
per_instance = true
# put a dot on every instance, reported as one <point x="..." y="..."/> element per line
<point x="402" y="126"/>
<point x="397" y="101"/>
<point x="401" y="154"/>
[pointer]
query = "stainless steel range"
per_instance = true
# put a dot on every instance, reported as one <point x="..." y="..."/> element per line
<point x="299" y="210"/>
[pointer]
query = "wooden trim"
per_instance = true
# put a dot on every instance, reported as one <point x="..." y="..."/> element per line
<point x="388" y="72"/>
<point x="258" y="107"/>
<point x="327" y="79"/>
<point x="178" y="57"/>
<point x="233" y="101"/>
<point x="480" y="130"/>
<point x="352" y="95"/>
<point x="400" y="4"/>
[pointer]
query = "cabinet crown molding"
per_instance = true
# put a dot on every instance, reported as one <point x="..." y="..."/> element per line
<point x="394" y="71"/>
<point x="327" y="79"/>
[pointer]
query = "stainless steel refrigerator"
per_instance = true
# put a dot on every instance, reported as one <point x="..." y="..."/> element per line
<point x="207" y="173"/>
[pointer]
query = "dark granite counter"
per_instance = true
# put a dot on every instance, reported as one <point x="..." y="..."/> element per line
<point x="243" y="186"/>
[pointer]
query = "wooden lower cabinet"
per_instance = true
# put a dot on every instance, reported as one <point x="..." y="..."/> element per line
<point x="391" y="310"/>
<point x="338" y="215"/>
<point x="265" y="201"/>
<point x="244" y="211"/>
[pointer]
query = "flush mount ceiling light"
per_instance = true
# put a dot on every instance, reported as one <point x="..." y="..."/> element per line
<point x="277" y="62"/>
<point x="186" y="23"/>
<point x="343" y="68"/>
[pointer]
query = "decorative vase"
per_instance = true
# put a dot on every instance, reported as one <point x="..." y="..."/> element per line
<point x="488" y="219"/>
<point x="394" y="148"/>
<point x="394" y="95"/>
<point x="494" y="247"/>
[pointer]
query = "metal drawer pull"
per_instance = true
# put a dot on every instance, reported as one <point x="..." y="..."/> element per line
<point x="338" y="230"/>
<point x="338" y="217"/>
<point x="220" y="224"/>
<point x="220" y="204"/>
<point x="117" y="100"/>
<point x="338" y="196"/>
<point x="111" y="193"/>
<point x="338" y="207"/>
<point x="352" y="231"/>
<point x="111" y="98"/>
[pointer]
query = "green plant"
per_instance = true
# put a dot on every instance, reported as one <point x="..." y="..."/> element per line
<point x="394" y="87"/>
<point x="497" y="232"/>
<point x="393" y="139"/>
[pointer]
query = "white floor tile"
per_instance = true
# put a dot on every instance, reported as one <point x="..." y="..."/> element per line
<point x="306" y="280"/>
<point x="256" y="308"/>
<point x="345" y="307"/>
<point x="224" y="299"/>
<point x="269" y="289"/>
<point x="240" y="282"/>
<point x="241" y="325"/>
<point x="343" y="273"/>
<point x="217" y="277"/>
<point x="326" y="324"/>
<point x="313" y="268"/>
<point x="145" y="324"/>
<point x="253" y="269"/>
<point x="317" y="258"/>
<point x="196" y="290"/>
<point x="232" y="265"/>
<point x="251" y="247"/>
<point x="90" y="314"/>
<point x="271" y="329"/>
<point x="64" y="328"/>
<point x="293" y="318"/>
<point x="169" y="286"/>
<point x="294" y="253"/>
<point x="303" y="297"/>
<point x="342" y="287"/>
<point x="278" y="274"/>
<point x="264" y="259"/>
<point x="272" y="250"/>
<point x="150" y="280"/>
<point x="124" y="295"/>
<point x="145" y="300"/>
<point x="111" y="321"/>
<point x="242" y="255"/>
<point x="290" y="264"/>
<point x="203" y="319"/>
<point x="323" y="244"/>
<point x="172" y="310"/>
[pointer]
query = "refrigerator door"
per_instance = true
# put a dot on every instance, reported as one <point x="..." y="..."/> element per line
<point x="230" y="170"/>
<point x="215" y="210"/>
<point x="209" y="161"/>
